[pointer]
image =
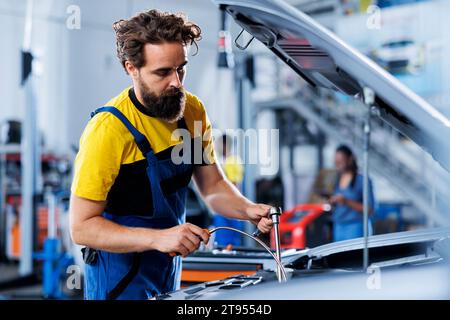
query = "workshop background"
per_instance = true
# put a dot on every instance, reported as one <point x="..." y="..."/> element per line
<point x="75" y="70"/>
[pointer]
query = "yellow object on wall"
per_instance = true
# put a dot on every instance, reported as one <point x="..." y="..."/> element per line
<point x="234" y="169"/>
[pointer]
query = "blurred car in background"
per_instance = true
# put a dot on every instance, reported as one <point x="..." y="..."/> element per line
<point x="399" y="56"/>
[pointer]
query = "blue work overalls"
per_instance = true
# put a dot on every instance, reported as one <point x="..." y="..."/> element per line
<point x="141" y="275"/>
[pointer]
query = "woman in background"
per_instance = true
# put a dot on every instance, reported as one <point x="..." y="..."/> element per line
<point x="347" y="199"/>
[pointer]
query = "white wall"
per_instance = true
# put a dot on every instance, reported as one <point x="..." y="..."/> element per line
<point x="81" y="71"/>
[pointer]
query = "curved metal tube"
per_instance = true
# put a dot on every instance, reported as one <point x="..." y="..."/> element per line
<point x="280" y="265"/>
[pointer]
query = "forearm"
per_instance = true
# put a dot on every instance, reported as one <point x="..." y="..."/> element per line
<point x="357" y="206"/>
<point x="100" y="233"/>
<point x="225" y="198"/>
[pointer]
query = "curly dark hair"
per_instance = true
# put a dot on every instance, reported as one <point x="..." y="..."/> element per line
<point x="154" y="27"/>
<point x="345" y="150"/>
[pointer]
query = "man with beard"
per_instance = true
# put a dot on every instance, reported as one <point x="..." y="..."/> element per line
<point x="128" y="195"/>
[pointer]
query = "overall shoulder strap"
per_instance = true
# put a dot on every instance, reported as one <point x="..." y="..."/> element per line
<point x="182" y="124"/>
<point x="139" y="138"/>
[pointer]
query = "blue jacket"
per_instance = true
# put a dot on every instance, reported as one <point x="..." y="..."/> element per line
<point x="343" y="213"/>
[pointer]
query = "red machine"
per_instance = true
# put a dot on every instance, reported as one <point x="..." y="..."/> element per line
<point x="304" y="225"/>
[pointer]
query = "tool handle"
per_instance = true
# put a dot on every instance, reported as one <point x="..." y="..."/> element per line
<point x="174" y="254"/>
<point x="274" y="211"/>
<point x="256" y="233"/>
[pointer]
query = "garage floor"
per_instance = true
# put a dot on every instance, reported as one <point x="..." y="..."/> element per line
<point x="30" y="292"/>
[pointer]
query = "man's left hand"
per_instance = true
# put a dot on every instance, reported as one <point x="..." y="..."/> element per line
<point x="258" y="214"/>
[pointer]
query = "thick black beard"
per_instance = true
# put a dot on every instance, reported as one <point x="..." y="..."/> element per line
<point x="169" y="106"/>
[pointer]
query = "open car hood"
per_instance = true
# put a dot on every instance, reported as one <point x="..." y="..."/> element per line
<point x="324" y="60"/>
<point x="378" y="241"/>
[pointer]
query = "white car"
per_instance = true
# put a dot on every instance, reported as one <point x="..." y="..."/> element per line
<point x="399" y="56"/>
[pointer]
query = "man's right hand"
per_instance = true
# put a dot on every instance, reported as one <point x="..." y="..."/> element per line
<point x="183" y="239"/>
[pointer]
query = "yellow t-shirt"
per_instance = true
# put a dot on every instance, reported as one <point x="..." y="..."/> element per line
<point x="110" y="166"/>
